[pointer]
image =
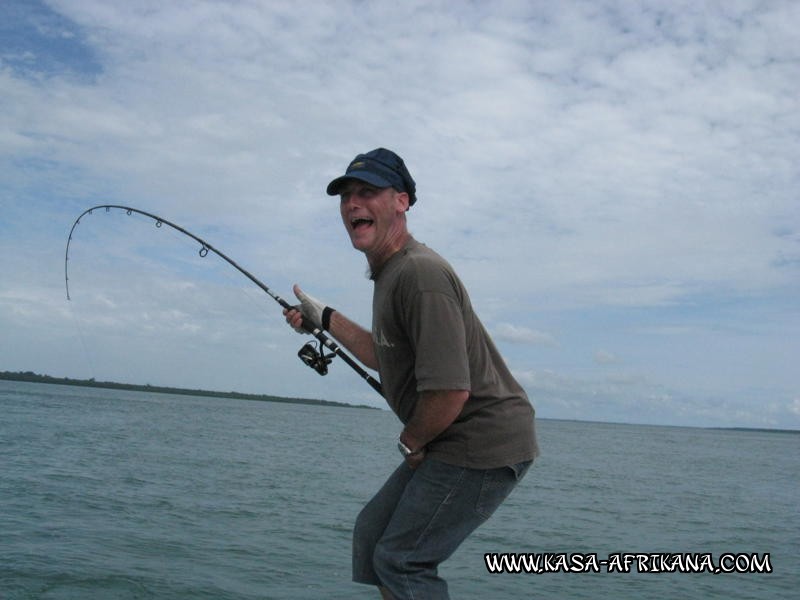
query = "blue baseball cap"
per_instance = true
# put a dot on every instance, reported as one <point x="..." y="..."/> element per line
<point x="381" y="168"/>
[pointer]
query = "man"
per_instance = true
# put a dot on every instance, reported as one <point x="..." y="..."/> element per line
<point x="468" y="434"/>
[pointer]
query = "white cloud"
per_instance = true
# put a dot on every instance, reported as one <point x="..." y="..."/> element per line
<point x="603" y="357"/>
<point x="521" y="335"/>
<point x="794" y="407"/>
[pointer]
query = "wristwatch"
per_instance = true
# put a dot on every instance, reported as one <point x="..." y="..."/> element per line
<point x="405" y="450"/>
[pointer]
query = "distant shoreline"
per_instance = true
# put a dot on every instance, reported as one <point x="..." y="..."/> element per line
<point x="31" y="377"/>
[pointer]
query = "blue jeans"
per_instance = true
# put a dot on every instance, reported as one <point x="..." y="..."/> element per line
<point x="418" y="519"/>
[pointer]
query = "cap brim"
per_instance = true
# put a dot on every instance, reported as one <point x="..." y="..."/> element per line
<point x="365" y="176"/>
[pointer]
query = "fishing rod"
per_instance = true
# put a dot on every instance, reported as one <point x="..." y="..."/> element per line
<point x="316" y="359"/>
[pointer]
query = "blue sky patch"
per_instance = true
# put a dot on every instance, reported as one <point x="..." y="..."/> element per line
<point x="36" y="41"/>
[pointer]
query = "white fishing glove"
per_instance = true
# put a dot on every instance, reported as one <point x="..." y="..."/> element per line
<point x="313" y="310"/>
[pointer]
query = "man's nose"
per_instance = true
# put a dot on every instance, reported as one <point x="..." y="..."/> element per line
<point x="351" y="200"/>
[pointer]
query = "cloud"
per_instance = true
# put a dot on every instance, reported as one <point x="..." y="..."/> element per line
<point x="602" y="357"/>
<point x="636" y="399"/>
<point x="521" y="335"/>
<point x="794" y="407"/>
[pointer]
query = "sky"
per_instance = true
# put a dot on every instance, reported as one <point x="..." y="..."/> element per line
<point x="615" y="182"/>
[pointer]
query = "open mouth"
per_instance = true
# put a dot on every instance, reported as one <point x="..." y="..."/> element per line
<point x="359" y="222"/>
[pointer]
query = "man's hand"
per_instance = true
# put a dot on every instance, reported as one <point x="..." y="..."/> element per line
<point x="435" y="411"/>
<point x="312" y="310"/>
<point x="414" y="460"/>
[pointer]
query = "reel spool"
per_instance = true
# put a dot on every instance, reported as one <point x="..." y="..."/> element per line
<point x="316" y="359"/>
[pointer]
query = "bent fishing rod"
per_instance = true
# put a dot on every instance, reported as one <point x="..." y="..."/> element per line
<point x="316" y="359"/>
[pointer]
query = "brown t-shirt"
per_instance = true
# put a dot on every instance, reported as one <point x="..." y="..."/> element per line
<point x="427" y="337"/>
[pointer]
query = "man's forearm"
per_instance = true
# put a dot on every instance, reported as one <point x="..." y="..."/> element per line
<point x="435" y="412"/>
<point x="355" y="338"/>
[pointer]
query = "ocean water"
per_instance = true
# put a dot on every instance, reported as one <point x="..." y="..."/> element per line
<point x="121" y="495"/>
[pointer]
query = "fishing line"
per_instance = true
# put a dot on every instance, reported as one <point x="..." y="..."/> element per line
<point x="316" y="358"/>
<point x="89" y="360"/>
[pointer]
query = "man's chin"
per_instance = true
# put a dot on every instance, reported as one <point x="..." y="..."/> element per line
<point x="360" y="242"/>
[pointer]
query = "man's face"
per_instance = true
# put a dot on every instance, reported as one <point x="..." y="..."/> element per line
<point x="373" y="217"/>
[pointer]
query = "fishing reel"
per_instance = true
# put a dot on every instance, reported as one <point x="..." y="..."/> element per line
<point x="316" y="359"/>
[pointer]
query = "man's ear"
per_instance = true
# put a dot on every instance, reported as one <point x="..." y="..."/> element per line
<point x="402" y="201"/>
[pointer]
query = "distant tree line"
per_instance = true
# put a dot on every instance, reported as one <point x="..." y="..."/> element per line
<point x="31" y="377"/>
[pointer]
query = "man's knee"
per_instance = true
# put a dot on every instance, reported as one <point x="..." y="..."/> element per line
<point x="405" y="578"/>
<point x="388" y="562"/>
<point x="364" y="539"/>
<point x="360" y="529"/>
